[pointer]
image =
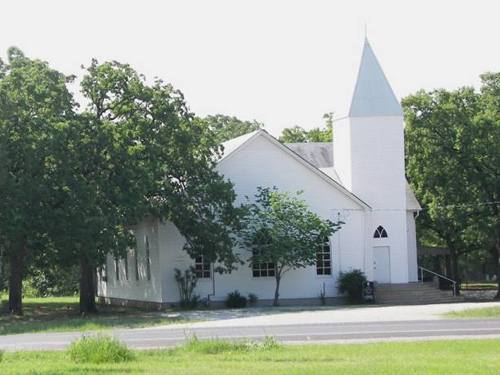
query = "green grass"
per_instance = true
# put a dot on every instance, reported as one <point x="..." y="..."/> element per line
<point x="481" y="313"/>
<point x="99" y="349"/>
<point x="481" y="357"/>
<point x="61" y="314"/>
<point x="479" y="286"/>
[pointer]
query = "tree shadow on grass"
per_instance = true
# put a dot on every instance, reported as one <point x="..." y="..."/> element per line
<point x="62" y="315"/>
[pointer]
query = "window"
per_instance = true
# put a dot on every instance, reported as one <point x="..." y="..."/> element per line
<point x="103" y="273"/>
<point x="148" y="260"/>
<point x="324" y="259"/>
<point x="117" y="269"/>
<point x="126" y="264"/>
<point x="380" y="232"/>
<point x="263" y="269"/>
<point x="201" y="268"/>
<point x="136" y="264"/>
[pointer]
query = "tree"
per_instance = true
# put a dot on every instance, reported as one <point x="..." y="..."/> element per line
<point x="33" y="101"/>
<point x="279" y="228"/>
<point x="297" y="134"/>
<point x="229" y="127"/>
<point x="136" y="151"/>
<point x="453" y="164"/>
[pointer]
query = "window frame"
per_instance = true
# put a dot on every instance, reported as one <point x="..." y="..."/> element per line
<point x="380" y="232"/>
<point x="323" y="256"/>
<point x="202" y="269"/>
<point x="263" y="270"/>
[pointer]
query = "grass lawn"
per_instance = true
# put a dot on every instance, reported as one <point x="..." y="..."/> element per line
<point x="59" y="314"/>
<point x="485" y="312"/>
<point x="486" y="285"/>
<point x="481" y="357"/>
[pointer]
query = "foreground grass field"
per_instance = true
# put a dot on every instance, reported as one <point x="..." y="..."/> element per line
<point x="486" y="313"/>
<point x="480" y="357"/>
<point x="60" y="314"/>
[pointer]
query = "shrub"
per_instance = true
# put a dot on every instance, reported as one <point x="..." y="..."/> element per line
<point x="252" y="299"/>
<point x="235" y="300"/>
<point x="186" y="282"/>
<point x="351" y="283"/>
<point x="99" y="349"/>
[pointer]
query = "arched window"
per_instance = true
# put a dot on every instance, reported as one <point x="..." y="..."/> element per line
<point x="380" y="232"/>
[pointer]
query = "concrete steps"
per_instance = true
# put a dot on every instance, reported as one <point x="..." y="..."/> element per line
<point x="413" y="294"/>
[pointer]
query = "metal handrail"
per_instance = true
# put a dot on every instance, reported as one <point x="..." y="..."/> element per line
<point x="422" y="269"/>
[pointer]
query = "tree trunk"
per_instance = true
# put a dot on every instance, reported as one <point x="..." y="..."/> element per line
<point x="277" y="291"/>
<point x="16" y="265"/>
<point x="454" y="266"/>
<point x="87" y="287"/>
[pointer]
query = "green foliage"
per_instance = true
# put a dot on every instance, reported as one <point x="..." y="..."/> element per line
<point x="74" y="184"/>
<point x="228" y="127"/>
<point x="99" y="349"/>
<point x="279" y="228"/>
<point x="235" y="300"/>
<point x="1" y="356"/>
<point x="34" y="104"/>
<point x="298" y="134"/>
<point x="252" y="299"/>
<point x="186" y="283"/>
<point x="52" y="280"/>
<point x="453" y="161"/>
<point x="351" y="283"/>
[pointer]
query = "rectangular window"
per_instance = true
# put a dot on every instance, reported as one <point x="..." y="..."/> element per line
<point x="324" y="260"/>
<point x="117" y="269"/>
<point x="102" y="271"/>
<point x="148" y="260"/>
<point x="136" y="263"/>
<point x="202" y="268"/>
<point x="126" y="264"/>
<point x="263" y="269"/>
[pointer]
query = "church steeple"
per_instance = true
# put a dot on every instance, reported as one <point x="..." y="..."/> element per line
<point x="373" y="96"/>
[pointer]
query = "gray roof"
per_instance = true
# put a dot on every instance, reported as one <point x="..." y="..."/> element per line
<point x="373" y="95"/>
<point x="319" y="154"/>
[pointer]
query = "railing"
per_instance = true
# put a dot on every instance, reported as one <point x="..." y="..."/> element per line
<point x="423" y="269"/>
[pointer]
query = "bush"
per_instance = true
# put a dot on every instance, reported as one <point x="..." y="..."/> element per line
<point x="99" y="349"/>
<point x="235" y="300"/>
<point x="252" y="299"/>
<point x="186" y="282"/>
<point x="351" y="283"/>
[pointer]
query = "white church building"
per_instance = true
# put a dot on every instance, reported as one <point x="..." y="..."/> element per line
<point x="359" y="179"/>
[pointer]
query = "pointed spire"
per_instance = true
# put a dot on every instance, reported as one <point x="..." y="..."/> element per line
<point x="373" y="96"/>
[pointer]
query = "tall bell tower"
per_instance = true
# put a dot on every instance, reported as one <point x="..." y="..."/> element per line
<point x="369" y="159"/>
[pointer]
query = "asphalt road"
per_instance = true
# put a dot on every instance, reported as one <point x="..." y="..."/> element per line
<point x="294" y="333"/>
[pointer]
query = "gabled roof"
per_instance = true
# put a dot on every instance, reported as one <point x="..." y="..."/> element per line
<point x="233" y="145"/>
<point x="373" y="95"/>
<point x="319" y="154"/>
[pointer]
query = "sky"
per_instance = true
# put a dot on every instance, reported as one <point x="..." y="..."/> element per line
<point x="283" y="63"/>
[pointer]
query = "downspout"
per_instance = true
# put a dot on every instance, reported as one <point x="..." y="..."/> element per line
<point x="213" y="284"/>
